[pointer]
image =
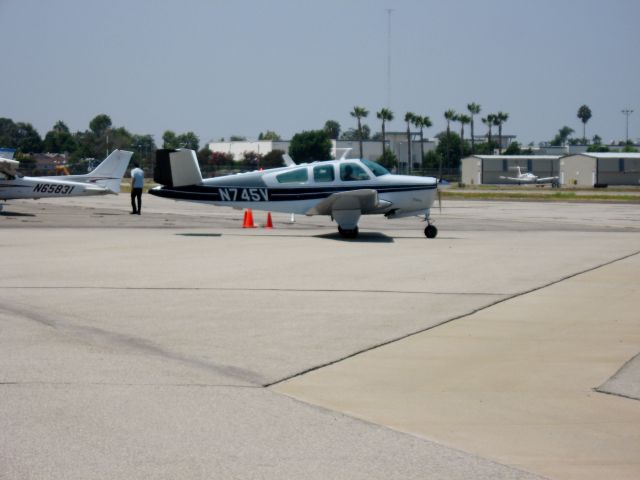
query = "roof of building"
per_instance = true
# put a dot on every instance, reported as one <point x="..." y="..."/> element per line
<point x="517" y="157"/>
<point x="609" y="154"/>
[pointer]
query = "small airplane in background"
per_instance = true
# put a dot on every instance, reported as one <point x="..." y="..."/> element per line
<point x="529" y="177"/>
<point x="344" y="189"/>
<point x="104" y="179"/>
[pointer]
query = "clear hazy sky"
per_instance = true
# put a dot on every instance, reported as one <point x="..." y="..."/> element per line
<point x="223" y="67"/>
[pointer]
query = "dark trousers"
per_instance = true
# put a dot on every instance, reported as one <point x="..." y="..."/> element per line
<point x="136" y="194"/>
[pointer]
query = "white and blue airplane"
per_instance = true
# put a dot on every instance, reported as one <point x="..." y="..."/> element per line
<point x="104" y="179"/>
<point x="344" y="189"/>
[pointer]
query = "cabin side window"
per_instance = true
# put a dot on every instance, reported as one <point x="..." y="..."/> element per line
<point x="299" y="175"/>
<point x="350" y="172"/>
<point x="323" y="173"/>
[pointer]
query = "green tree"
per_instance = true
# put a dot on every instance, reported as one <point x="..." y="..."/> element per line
<point x="29" y="140"/>
<point x="597" y="147"/>
<point x="333" y="129"/>
<point x="408" y="118"/>
<point x="629" y="148"/>
<point x="474" y="109"/>
<point x="353" y="135"/>
<point x="170" y="139"/>
<point x="464" y="119"/>
<point x="273" y="159"/>
<point x="21" y="136"/>
<point x="204" y="155"/>
<point x="489" y="122"/>
<point x="310" y="145"/>
<point x="385" y="115"/>
<point x="388" y="159"/>
<point x="359" y="113"/>
<point x="450" y="147"/>
<point x="144" y="147"/>
<point x="584" y="114"/>
<point x="237" y="138"/>
<point x="450" y="115"/>
<point x="59" y="139"/>
<point x="431" y="160"/>
<point x="100" y="124"/>
<point x="499" y="119"/>
<point x="8" y="133"/>
<point x="562" y="136"/>
<point x="513" y="149"/>
<point x="269" y="135"/>
<point x="188" y="140"/>
<point x="422" y="122"/>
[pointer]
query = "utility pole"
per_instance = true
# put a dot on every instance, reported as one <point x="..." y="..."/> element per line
<point x="627" y="112"/>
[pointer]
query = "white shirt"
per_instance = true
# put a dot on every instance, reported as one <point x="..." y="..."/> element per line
<point x="137" y="177"/>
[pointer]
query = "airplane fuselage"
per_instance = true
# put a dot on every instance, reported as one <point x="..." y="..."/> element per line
<point x="45" y="187"/>
<point x="298" y="189"/>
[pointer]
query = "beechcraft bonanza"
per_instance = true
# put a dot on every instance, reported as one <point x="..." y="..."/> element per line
<point x="104" y="179"/>
<point x="344" y="189"/>
<point x="529" y="177"/>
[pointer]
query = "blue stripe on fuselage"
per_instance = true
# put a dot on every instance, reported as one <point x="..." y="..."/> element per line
<point x="206" y="193"/>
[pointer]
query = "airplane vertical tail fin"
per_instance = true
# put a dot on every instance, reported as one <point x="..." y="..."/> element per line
<point x="110" y="172"/>
<point x="177" y="168"/>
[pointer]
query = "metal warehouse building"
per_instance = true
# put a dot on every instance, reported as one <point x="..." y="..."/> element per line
<point x="479" y="169"/>
<point x="608" y="168"/>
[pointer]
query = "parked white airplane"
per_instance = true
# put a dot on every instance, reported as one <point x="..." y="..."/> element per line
<point x="105" y="179"/>
<point x="529" y="177"/>
<point x="345" y="189"/>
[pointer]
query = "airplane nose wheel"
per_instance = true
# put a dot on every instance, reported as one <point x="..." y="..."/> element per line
<point x="431" y="231"/>
<point x="351" y="233"/>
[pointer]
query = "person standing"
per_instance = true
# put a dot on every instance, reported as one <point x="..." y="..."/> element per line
<point x="137" y="182"/>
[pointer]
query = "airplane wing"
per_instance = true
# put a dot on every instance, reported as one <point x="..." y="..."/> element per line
<point x="8" y="167"/>
<point x="547" y="179"/>
<point x="365" y="200"/>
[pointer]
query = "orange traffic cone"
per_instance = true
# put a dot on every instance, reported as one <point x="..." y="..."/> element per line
<point x="269" y="222"/>
<point x="248" y="219"/>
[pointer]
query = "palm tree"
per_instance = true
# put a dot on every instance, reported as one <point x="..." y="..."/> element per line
<point x="489" y="122"/>
<point x="449" y="115"/>
<point x="385" y="115"/>
<point x="422" y="123"/>
<point x="474" y="109"/>
<point x="500" y="118"/>
<point x="408" y="117"/>
<point x="463" y="119"/>
<point x="359" y="112"/>
<point x="584" y="114"/>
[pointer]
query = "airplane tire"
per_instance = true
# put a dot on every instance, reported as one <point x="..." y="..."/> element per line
<point x="431" y="231"/>
<point x="348" y="233"/>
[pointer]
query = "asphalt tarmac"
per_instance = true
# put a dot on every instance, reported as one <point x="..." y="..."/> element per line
<point x="177" y="344"/>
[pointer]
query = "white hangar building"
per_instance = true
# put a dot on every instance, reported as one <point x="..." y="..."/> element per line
<point x="582" y="169"/>
<point x="487" y="169"/>
<point x="606" y="168"/>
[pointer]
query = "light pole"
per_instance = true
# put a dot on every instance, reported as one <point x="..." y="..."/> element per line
<point x="389" y="11"/>
<point x="627" y="112"/>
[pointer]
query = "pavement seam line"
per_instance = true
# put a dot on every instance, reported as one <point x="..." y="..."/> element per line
<point x="458" y="317"/>
<point x="241" y="289"/>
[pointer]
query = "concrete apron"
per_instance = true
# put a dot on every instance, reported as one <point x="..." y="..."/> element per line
<point x="514" y="382"/>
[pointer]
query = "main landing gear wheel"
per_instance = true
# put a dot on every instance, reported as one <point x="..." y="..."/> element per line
<point x="348" y="233"/>
<point x="431" y="231"/>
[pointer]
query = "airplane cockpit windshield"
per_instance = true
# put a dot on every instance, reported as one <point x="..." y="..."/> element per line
<point x="6" y="176"/>
<point x="377" y="169"/>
